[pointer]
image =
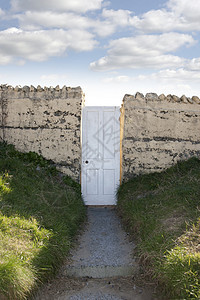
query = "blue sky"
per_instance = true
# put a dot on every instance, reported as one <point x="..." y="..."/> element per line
<point x="109" y="48"/>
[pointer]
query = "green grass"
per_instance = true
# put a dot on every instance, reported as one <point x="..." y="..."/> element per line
<point x="40" y="213"/>
<point x="162" y="212"/>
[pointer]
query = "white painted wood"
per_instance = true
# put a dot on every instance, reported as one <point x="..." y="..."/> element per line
<point x="100" y="174"/>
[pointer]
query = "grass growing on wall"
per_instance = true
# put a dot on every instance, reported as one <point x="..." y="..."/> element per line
<point x="162" y="212"/>
<point x="39" y="215"/>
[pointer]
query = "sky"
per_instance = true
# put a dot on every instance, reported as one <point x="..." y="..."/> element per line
<point x="109" y="48"/>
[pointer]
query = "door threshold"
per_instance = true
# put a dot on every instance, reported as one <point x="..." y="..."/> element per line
<point x="101" y="206"/>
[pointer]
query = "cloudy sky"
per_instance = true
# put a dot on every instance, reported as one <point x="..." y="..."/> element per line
<point x="109" y="48"/>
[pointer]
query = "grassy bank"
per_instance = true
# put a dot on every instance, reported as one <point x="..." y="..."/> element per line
<point x="162" y="212"/>
<point x="40" y="213"/>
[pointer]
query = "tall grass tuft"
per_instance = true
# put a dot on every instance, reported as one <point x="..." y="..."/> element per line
<point x="17" y="278"/>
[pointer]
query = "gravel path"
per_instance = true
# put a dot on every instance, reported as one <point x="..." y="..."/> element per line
<point x="104" y="249"/>
<point x="102" y="265"/>
<point x="104" y="242"/>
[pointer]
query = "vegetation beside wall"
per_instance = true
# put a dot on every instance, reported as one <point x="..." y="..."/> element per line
<point x="40" y="212"/>
<point x="162" y="212"/>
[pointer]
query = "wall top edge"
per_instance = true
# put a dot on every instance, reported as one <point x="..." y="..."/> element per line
<point x="31" y="88"/>
<point x="46" y="93"/>
<point x="153" y="97"/>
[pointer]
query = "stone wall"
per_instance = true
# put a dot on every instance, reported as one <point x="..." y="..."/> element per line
<point x="46" y="121"/>
<point x="157" y="131"/>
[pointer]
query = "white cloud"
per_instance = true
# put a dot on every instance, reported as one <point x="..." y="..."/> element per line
<point x="161" y="21"/>
<point x="5" y="59"/>
<point x="47" y="19"/>
<point x="180" y="15"/>
<point x="117" y="79"/>
<point x="38" y="20"/>
<point x="106" y="3"/>
<point x="189" y="9"/>
<point x="112" y="20"/>
<point x="40" y="45"/>
<point x="144" y="51"/>
<point x="177" y="74"/>
<point x="118" y="17"/>
<point x="59" y="5"/>
<point x="103" y="25"/>
<point x="170" y="81"/>
<point x="194" y="64"/>
<point x="2" y="13"/>
<point x="104" y="28"/>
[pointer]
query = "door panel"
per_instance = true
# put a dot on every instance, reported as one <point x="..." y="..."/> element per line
<point x="108" y="135"/>
<point x="92" y="127"/>
<point x="100" y="173"/>
<point x="108" y="181"/>
<point x="92" y="182"/>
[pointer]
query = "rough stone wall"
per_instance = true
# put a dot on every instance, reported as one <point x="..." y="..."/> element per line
<point x="46" y="121"/>
<point x="157" y="131"/>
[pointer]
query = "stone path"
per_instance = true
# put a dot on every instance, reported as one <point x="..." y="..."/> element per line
<point x="102" y="266"/>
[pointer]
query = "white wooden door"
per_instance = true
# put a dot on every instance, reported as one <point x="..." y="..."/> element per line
<point x="100" y="174"/>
